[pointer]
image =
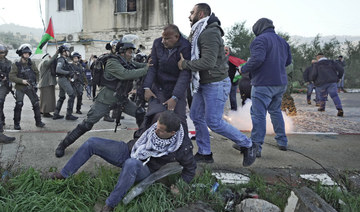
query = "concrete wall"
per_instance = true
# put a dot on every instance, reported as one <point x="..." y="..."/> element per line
<point x="93" y="23"/>
<point x="101" y="16"/>
<point x="65" y="22"/>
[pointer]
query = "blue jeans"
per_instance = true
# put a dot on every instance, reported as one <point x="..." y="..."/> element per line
<point x="207" y="109"/>
<point x="341" y="83"/>
<point x="310" y="88"/>
<point x="267" y="99"/>
<point x="117" y="154"/>
<point x="232" y="96"/>
<point x="331" y="89"/>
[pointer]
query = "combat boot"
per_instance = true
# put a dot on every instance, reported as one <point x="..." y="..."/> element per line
<point x="108" y="118"/>
<point x="71" y="137"/>
<point x="17" y="115"/>
<point x="70" y="117"/>
<point x="5" y="139"/>
<point x="37" y="115"/>
<point x="58" y="109"/>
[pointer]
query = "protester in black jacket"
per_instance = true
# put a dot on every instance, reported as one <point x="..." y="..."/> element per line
<point x="325" y="75"/>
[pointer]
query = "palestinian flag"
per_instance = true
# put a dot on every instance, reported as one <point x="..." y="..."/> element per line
<point x="49" y="34"/>
<point x="237" y="62"/>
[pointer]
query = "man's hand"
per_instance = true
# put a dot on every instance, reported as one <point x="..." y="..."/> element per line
<point x="148" y="94"/>
<point x="174" y="190"/>
<point x="149" y="63"/>
<point x="25" y="82"/>
<point x="171" y="104"/>
<point x="133" y="91"/>
<point x="180" y="61"/>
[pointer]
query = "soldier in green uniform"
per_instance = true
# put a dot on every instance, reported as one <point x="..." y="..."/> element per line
<point x="65" y="74"/>
<point x="79" y="79"/>
<point x="26" y="75"/>
<point x="5" y="88"/>
<point x="117" y="81"/>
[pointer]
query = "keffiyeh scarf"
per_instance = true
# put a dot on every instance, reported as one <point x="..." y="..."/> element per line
<point x="150" y="145"/>
<point x="196" y="30"/>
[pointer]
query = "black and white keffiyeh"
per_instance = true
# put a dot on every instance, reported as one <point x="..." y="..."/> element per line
<point x="196" y="30"/>
<point x="150" y="145"/>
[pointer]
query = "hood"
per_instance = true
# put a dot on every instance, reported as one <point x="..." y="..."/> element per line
<point x="214" y="19"/>
<point x="261" y="25"/>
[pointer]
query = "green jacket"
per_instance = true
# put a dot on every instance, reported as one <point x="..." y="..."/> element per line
<point x="212" y="64"/>
<point x="14" y="78"/>
<point x="114" y="69"/>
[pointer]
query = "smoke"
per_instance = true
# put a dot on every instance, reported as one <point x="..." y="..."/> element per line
<point x="241" y="119"/>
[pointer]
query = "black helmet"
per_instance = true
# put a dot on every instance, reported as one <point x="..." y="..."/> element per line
<point x="111" y="44"/>
<point x="64" y="47"/>
<point x="75" y="54"/>
<point x="24" y="48"/>
<point x="122" y="47"/>
<point x="3" y="49"/>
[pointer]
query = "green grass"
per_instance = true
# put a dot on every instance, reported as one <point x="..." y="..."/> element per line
<point x="29" y="191"/>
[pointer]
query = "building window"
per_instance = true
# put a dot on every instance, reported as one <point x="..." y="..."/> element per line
<point x="123" y="6"/>
<point x="65" y="5"/>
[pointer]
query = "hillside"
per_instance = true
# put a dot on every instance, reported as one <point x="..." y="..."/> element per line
<point x="35" y="33"/>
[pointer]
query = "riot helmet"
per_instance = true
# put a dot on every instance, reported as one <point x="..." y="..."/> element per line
<point x="75" y="54"/>
<point x="24" y="48"/>
<point x="121" y="47"/>
<point x="64" y="47"/>
<point x="111" y="44"/>
<point x="3" y="49"/>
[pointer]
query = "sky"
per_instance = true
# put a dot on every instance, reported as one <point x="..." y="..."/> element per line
<point x="295" y="17"/>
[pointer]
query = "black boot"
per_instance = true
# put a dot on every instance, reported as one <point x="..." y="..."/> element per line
<point x="5" y="139"/>
<point x="108" y="118"/>
<point x="71" y="137"/>
<point x="78" y="104"/>
<point x="58" y="109"/>
<point x="17" y="115"/>
<point x="37" y="115"/>
<point x="69" y="111"/>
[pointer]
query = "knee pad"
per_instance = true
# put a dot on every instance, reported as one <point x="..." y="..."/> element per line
<point x="36" y="104"/>
<point x="19" y="104"/>
<point x="86" y="125"/>
<point x="62" y="98"/>
<point x="71" y="97"/>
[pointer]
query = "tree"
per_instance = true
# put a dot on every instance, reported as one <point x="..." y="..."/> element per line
<point x="239" y="39"/>
<point x="352" y="73"/>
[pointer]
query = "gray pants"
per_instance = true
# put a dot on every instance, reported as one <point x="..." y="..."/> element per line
<point x="3" y="93"/>
<point x="65" y="88"/>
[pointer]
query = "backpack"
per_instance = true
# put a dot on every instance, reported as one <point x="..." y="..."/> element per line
<point x="97" y="68"/>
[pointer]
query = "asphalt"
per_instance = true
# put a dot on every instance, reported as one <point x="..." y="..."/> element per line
<point x="35" y="147"/>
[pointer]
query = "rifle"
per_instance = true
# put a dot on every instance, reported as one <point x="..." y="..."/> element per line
<point x="119" y="106"/>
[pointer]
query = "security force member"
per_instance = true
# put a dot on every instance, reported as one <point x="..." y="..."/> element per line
<point x="26" y="75"/>
<point x="117" y="81"/>
<point x="65" y="75"/>
<point x="79" y="79"/>
<point x="5" y="87"/>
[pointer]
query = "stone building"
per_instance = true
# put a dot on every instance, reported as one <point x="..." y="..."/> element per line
<point x="89" y="24"/>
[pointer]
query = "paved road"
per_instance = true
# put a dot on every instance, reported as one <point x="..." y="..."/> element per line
<point x="34" y="147"/>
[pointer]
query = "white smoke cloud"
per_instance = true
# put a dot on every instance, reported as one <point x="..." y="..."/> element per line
<point x="241" y="119"/>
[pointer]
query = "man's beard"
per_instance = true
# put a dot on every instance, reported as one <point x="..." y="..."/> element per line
<point x="195" y="19"/>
